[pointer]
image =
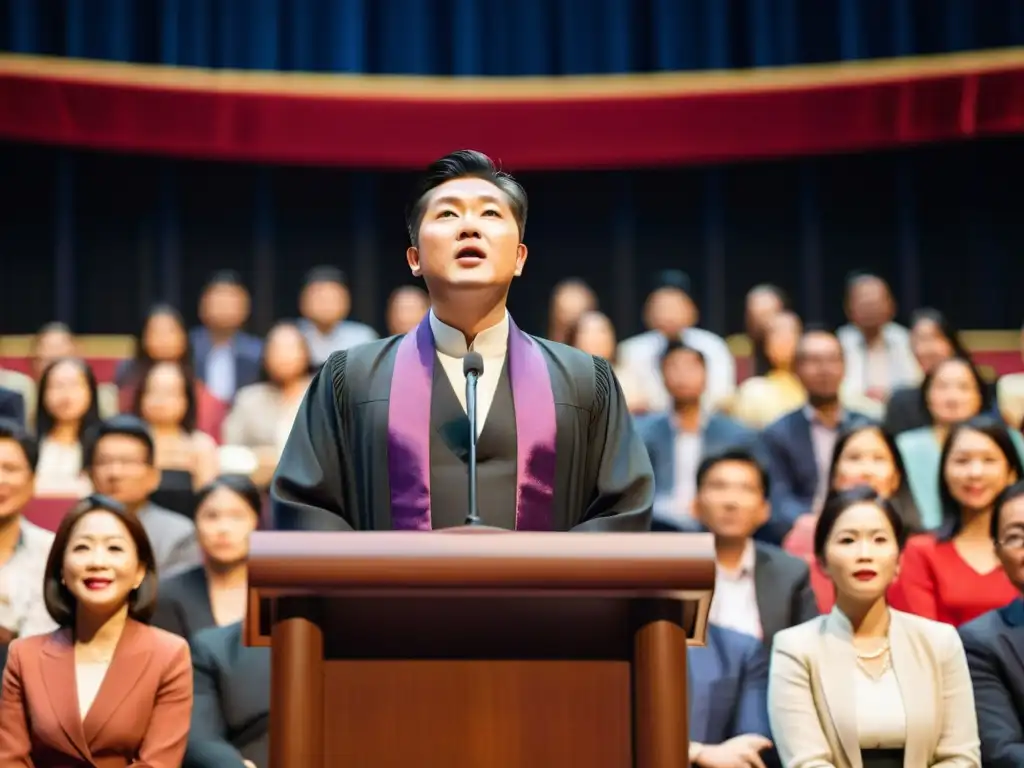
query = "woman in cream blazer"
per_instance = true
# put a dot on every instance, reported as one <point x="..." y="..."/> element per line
<point x="866" y="686"/>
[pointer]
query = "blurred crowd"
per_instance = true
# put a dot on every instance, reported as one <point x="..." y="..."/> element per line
<point x="868" y="465"/>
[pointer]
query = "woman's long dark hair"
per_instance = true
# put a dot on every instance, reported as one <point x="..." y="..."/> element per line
<point x="45" y="421"/>
<point x="996" y="431"/>
<point x="903" y="499"/>
<point x="984" y="390"/>
<point x="188" y="421"/>
<point x="949" y="331"/>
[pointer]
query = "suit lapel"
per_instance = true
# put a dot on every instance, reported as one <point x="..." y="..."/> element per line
<point x="836" y="670"/>
<point x="58" y="671"/>
<point x="129" y="662"/>
<point x="1013" y="616"/>
<point x="802" y="432"/>
<point x="916" y="689"/>
<point x="768" y="604"/>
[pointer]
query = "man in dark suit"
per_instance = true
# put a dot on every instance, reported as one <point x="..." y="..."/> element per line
<point x="225" y="357"/>
<point x="677" y="440"/>
<point x="994" y="643"/>
<point x="231" y="701"/>
<point x="800" y="444"/>
<point x="759" y="589"/>
<point x="12" y="406"/>
<point x="728" y="701"/>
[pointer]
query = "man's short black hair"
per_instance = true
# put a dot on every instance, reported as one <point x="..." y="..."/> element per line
<point x="675" y="345"/>
<point x="463" y="164"/>
<point x="325" y="274"/>
<point x="225" y="277"/>
<point x="122" y="424"/>
<point x="742" y="455"/>
<point x="12" y="430"/>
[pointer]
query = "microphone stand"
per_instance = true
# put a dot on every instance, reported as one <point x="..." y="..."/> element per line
<point x="473" y="518"/>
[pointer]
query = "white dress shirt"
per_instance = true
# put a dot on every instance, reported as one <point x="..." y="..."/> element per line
<point x="491" y="343"/>
<point x="734" y="604"/>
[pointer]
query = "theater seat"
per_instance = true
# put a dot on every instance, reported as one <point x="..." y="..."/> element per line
<point x="48" y="511"/>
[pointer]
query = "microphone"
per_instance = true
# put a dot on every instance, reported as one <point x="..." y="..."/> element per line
<point x="472" y="368"/>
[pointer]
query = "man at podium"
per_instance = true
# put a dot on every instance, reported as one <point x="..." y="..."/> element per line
<point x="382" y="440"/>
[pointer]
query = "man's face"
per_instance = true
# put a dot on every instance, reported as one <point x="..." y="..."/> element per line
<point x="468" y="238"/>
<point x="731" y="501"/>
<point x="122" y="470"/>
<point x="685" y="376"/>
<point x="224" y="307"/>
<point x="1010" y="548"/>
<point x="325" y="303"/>
<point x="820" y="366"/>
<point x="669" y="311"/>
<point x="870" y="305"/>
<point x="762" y="306"/>
<point x="17" y="480"/>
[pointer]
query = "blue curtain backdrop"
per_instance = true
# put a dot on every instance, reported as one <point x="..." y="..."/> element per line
<point x="97" y="238"/>
<point x="503" y="37"/>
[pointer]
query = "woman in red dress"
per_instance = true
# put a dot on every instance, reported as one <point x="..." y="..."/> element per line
<point x="953" y="574"/>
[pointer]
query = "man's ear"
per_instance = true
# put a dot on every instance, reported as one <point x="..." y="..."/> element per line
<point x="412" y="257"/>
<point x="521" y="253"/>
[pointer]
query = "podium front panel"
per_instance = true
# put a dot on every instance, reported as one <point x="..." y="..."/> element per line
<point x="468" y="714"/>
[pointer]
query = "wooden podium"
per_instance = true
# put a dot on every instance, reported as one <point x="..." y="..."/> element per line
<point x="472" y="648"/>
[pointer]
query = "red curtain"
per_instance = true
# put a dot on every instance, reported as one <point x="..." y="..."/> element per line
<point x="543" y="123"/>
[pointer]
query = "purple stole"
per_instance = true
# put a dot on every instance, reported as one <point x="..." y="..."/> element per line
<point x="409" y="431"/>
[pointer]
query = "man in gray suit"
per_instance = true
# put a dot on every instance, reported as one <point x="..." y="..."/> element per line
<point x="759" y="589"/>
<point x="994" y="643"/>
<point x="119" y="457"/>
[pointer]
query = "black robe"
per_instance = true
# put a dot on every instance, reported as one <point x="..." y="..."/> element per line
<point x="333" y="473"/>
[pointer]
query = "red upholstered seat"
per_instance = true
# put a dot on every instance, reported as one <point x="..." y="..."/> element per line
<point x="48" y="511"/>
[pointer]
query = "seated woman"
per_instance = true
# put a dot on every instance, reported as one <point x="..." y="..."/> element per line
<point x="214" y="594"/>
<point x="187" y="458"/>
<point x="863" y="455"/>
<point x="263" y="413"/>
<point x="953" y="575"/>
<point x="105" y="689"/>
<point x="594" y="334"/>
<point x="866" y="685"/>
<point x="68" y="409"/>
<point x="760" y="400"/>
<point x="952" y="392"/>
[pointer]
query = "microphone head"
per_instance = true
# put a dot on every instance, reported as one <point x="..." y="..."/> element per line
<point x="473" y="363"/>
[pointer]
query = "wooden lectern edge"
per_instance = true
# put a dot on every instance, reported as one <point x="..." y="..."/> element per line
<point x="254" y="637"/>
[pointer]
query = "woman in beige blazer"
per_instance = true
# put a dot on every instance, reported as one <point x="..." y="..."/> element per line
<point x="866" y="686"/>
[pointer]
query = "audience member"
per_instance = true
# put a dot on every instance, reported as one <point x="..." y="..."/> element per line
<point x="951" y="393"/>
<point x="187" y="458"/>
<point x="12" y="406"/>
<point x="52" y="342"/>
<point x="762" y="304"/>
<point x="677" y="440"/>
<point x="570" y="300"/>
<point x="759" y="589"/>
<point x="728" y="708"/>
<point x="225" y="358"/>
<point x="24" y="547"/>
<point x="163" y="338"/>
<point x="133" y="682"/>
<point x="68" y="408"/>
<point x="867" y="685"/>
<point x="262" y="415"/>
<point x="231" y="716"/>
<point x="864" y="455"/>
<point x="1010" y="393"/>
<point x="324" y="304"/>
<point x="933" y="339"/>
<point x="994" y="643"/>
<point x="214" y="593"/>
<point x="407" y="306"/>
<point x="800" y="444"/>
<point x="762" y="399"/>
<point x="877" y="350"/>
<point x="953" y="575"/>
<point x="670" y="314"/>
<point x="119" y="458"/>
<point x="594" y="333"/>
